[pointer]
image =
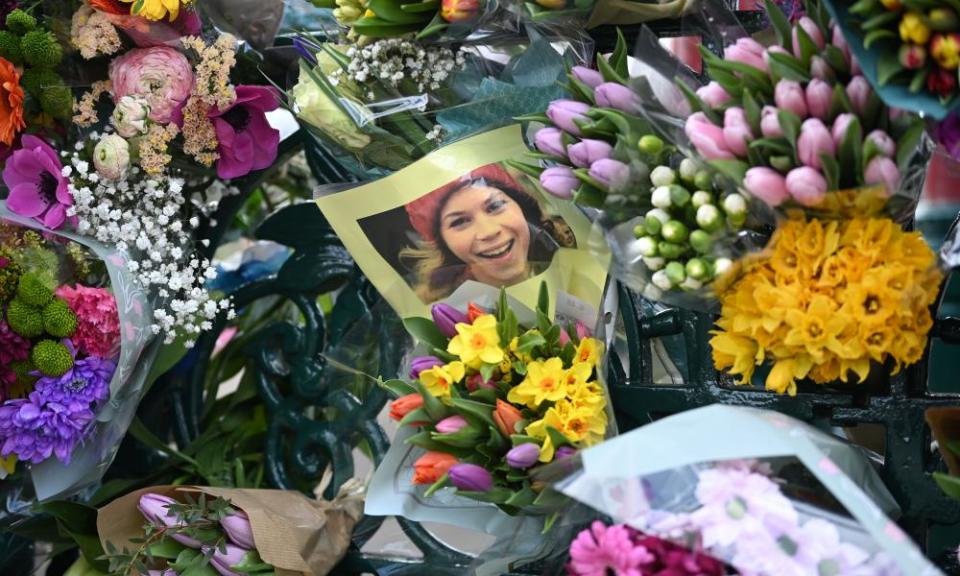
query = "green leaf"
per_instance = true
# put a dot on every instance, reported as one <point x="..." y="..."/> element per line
<point x="466" y="437"/>
<point x="478" y="409"/>
<point x="831" y="171"/>
<point x="880" y="20"/>
<point x="423" y="440"/>
<point x="139" y="431"/>
<point x="907" y="144"/>
<point x="919" y="80"/>
<point x="398" y="387"/>
<point x="529" y="341"/>
<point x="543" y="297"/>
<point x="839" y="102"/>
<point x="780" y="24"/>
<point x="485" y="395"/>
<point x="523" y="497"/>
<point x="417" y="7"/>
<point x="949" y="484"/>
<point x="696" y="104"/>
<point x="752" y="111"/>
<point x="850" y="155"/>
<point x="619" y="60"/>
<point x="415" y="417"/>
<point x="528" y="169"/>
<point x="486" y="371"/>
<point x="888" y="66"/>
<point x="733" y="169"/>
<point x="436" y="25"/>
<point x="166" y="548"/>
<point x="807" y="48"/>
<point x="497" y="495"/>
<point x="790" y="125"/>
<point x="431" y="404"/>
<point x="875" y="36"/>
<point x="380" y="28"/>
<point x="392" y="11"/>
<point x="557" y="438"/>
<point x="772" y="146"/>
<point x="787" y="67"/>
<point x="835" y="58"/>
<point x="609" y="72"/>
<point x="426" y="331"/>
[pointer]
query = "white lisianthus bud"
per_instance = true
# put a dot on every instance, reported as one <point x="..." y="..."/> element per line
<point x="721" y="265"/>
<point x="663" y="176"/>
<point x="734" y="204"/>
<point x="688" y="169"/>
<point x="659" y="214"/>
<point x="130" y="116"/>
<point x="661" y="280"/>
<point x="654" y="263"/>
<point x="112" y="157"/>
<point x="700" y="198"/>
<point x="646" y="246"/>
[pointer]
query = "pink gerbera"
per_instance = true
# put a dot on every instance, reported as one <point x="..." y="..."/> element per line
<point x="98" y="324"/>
<point x="601" y="549"/>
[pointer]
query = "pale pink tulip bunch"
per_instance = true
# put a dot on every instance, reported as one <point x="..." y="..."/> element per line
<point x="791" y="127"/>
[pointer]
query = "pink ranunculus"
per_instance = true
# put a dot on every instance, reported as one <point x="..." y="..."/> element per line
<point x="38" y="189"/>
<point x="882" y="170"/>
<point x="812" y="30"/>
<point x="766" y="184"/>
<point x="713" y="94"/>
<point x="789" y="95"/>
<point x="160" y="74"/>
<point x="840" y="125"/>
<point x="736" y="131"/>
<point x="247" y="142"/>
<point x="770" y="122"/>
<point x="814" y="140"/>
<point x="859" y="91"/>
<point x="819" y="97"/>
<point x="707" y="137"/>
<point x="747" y="51"/>
<point x="807" y="185"/>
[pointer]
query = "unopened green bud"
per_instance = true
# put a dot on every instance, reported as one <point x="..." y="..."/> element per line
<point x="703" y="180"/>
<point x="670" y="251"/>
<point x="659" y="214"/>
<point x="675" y="231"/>
<point x="661" y="280"/>
<point x="737" y="220"/>
<point x="663" y="176"/>
<point x="650" y="144"/>
<point x="639" y="231"/>
<point x="735" y="204"/>
<point x="675" y="272"/>
<point x="721" y="266"/>
<point x="701" y="242"/>
<point x="700" y="198"/>
<point x="660" y="197"/>
<point x="679" y="195"/>
<point x="697" y="269"/>
<point x="709" y="218"/>
<point x="652" y="224"/>
<point x="691" y="284"/>
<point x="647" y="246"/>
<point x="688" y="169"/>
<point x="654" y="263"/>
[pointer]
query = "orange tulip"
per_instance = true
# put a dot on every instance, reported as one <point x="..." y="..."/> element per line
<point x="459" y="10"/>
<point x="506" y="417"/>
<point x="474" y="312"/>
<point x="431" y="466"/>
<point x="404" y="405"/>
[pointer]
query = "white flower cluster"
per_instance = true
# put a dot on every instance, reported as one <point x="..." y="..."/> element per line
<point x="144" y="218"/>
<point x="394" y="60"/>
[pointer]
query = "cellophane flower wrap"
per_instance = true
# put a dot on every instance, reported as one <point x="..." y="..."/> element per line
<point x="74" y="337"/>
<point x="741" y="491"/>
<point x="673" y="224"/>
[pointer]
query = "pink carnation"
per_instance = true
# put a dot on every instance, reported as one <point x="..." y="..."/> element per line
<point x="98" y="324"/>
<point x="160" y="74"/>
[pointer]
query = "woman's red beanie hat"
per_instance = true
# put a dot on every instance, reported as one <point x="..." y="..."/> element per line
<point x="425" y="211"/>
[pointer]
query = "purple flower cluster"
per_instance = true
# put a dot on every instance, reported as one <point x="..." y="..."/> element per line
<point x="57" y="415"/>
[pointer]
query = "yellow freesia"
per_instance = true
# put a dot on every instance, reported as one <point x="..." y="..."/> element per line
<point x="478" y="342"/>
<point x="439" y="379"/>
<point x="545" y="381"/>
<point x="156" y="9"/>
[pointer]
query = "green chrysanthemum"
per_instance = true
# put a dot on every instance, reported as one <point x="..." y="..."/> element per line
<point x="41" y="49"/>
<point x="36" y="80"/>
<point x="51" y="358"/>
<point x="9" y="277"/>
<point x="19" y="22"/>
<point x="32" y="290"/>
<point x="24" y="319"/>
<point x="57" y="101"/>
<point x="59" y="320"/>
<point x="10" y="47"/>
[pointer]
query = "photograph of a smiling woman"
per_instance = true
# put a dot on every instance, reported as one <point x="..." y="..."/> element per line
<point x="484" y="226"/>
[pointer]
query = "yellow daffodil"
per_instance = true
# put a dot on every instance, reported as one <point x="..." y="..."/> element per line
<point x="582" y="426"/>
<point x="816" y="329"/>
<point x="588" y="351"/>
<point x="914" y="29"/>
<point x="156" y="9"/>
<point x="735" y="354"/>
<point x="478" y="342"/>
<point x="545" y="381"/>
<point x="577" y="374"/>
<point x="439" y="379"/>
<point x="587" y="395"/>
<point x="9" y="464"/>
<point x="785" y="373"/>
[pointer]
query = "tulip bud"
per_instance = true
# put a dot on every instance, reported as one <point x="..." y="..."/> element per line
<point x="767" y="185"/>
<point x="703" y="180"/>
<point x="882" y="170"/>
<point x="814" y="140"/>
<point x="459" y="10"/>
<point x="588" y="76"/>
<point x="840" y="126"/>
<point x="582" y="331"/>
<point x="821" y="70"/>
<point x="560" y="181"/>
<point x="470" y="477"/>
<point x="506" y="417"/>
<point x="688" y="169"/>
<point x="707" y="137"/>
<point x="404" y="405"/>
<point x="155" y="508"/>
<point x="650" y="144"/>
<point x="523" y="456"/>
<point x="564" y="452"/>
<point x="451" y="424"/>
<point x="912" y="56"/>
<point x="223" y="561"/>
<point x="819" y="97"/>
<point x="659" y="215"/>
<point x="736" y="131"/>
<point x="806" y="185"/>
<point x="663" y="176"/>
<point x="610" y="173"/>
<point x="588" y="151"/>
<point x="550" y="141"/>
<point x="421" y="363"/>
<point x="432" y="466"/>
<point x="111" y="157"/>
<point x="747" y="51"/>
<point x="884" y="143"/>
<point x="770" y="122"/>
<point x="735" y="205"/>
<point x="446" y="317"/>
<point x="812" y="30"/>
<point x="618" y="96"/>
<point x="238" y="529"/>
<point x="859" y="91"/>
<point x="837" y="39"/>
<point x="713" y="94"/>
<point x="566" y="113"/>
<point x="789" y="95"/>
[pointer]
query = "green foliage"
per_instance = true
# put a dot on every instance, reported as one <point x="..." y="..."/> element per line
<point x="59" y="320"/>
<point x="51" y="358"/>
<point x="36" y="80"/>
<point x="32" y="291"/>
<point x="41" y="49"/>
<point x="10" y="47"/>
<point x="19" y="22"/>
<point x="9" y="277"/>
<point x="57" y="101"/>
<point x="24" y="319"/>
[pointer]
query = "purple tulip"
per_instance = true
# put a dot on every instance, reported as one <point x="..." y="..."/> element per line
<point x="470" y="477"/>
<point x="446" y="317"/>
<point x="588" y="76"/>
<point x="812" y="30"/>
<point x="859" y="91"/>
<point x="814" y="140"/>
<point x="564" y="452"/>
<point x="451" y="424"/>
<point x="819" y="97"/>
<point x="766" y="184"/>
<point x="770" y="122"/>
<point x="222" y="562"/>
<point x="840" y="126"/>
<point x="612" y="174"/>
<point x="882" y="170"/>
<point x="707" y="137"/>
<point x="883" y="142"/>
<point x="747" y="51"/>
<point x="789" y="96"/>
<point x="588" y="151"/>
<point x="421" y="363"/>
<point x="736" y="131"/>
<point x="566" y="113"/>
<point x="713" y="94"/>
<point x="523" y="456"/>
<point x="559" y="181"/>
<point x="238" y="529"/>
<point x="807" y="186"/>
<point x="550" y="141"/>
<point x="614" y="95"/>
<point x="820" y="69"/>
<point x="154" y="508"/>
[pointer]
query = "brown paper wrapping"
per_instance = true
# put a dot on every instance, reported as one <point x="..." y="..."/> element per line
<point x="945" y="425"/>
<point x="623" y="12"/>
<point x="298" y="536"/>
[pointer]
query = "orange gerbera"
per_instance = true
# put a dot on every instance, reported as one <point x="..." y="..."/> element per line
<point x="11" y="103"/>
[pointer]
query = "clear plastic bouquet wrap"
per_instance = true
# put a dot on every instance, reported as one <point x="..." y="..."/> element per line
<point x="758" y="491"/>
<point x="74" y="354"/>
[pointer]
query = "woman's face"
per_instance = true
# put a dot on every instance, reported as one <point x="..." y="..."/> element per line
<point x="486" y="229"/>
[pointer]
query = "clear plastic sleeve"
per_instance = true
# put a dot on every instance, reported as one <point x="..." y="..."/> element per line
<point x="85" y="455"/>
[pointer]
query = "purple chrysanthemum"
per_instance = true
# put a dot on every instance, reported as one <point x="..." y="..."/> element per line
<point x="34" y="429"/>
<point x="88" y="382"/>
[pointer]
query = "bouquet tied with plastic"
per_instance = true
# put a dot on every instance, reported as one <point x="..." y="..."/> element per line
<point x="74" y="355"/>
<point x="756" y="490"/>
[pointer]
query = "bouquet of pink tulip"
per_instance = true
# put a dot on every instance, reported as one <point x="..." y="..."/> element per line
<point x="797" y="120"/>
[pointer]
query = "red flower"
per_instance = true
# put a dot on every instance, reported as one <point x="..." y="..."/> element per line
<point x="942" y="82"/>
